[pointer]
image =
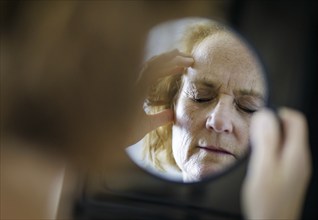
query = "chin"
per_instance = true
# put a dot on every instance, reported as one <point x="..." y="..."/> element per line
<point x="206" y="172"/>
<point x="201" y="174"/>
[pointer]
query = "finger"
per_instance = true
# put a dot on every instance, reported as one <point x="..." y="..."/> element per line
<point x="265" y="134"/>
<point x="176" y="57"/>
<point x="296" y="160"/>
<point x="185" y="54"/>
<point x="163" y="65"/>
<point x="175" y="71"/>
<point x="296" y="145"/>
<point x="146" y="123"/>
<point x="176" y="52"/>
<point x="264" y="143"/>
<point x="182" y="61"/>
<point x="156" y="120"/>
<point x="174" y="66"/>
<point x="295" y="128"/>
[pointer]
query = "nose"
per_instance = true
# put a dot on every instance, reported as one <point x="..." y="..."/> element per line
<point x="220" y="118"/>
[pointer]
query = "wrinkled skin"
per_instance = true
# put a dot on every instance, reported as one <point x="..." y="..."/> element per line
<point x="219" y="94"/>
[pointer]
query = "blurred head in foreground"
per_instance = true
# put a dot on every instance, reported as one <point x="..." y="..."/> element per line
<point x="69" y="67"/>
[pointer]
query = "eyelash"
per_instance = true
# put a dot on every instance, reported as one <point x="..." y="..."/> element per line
<point x="202" y="100"/>
<point x="244" y="109"/>
<point x="192" y="96"/>
<point x="238" y="106"/>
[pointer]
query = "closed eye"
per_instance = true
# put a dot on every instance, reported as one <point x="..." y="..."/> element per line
<point x="248" y="110"/>
<point x="201" y="100"/>
<point x="197" y="97"/>
<point x="248" y="104"/>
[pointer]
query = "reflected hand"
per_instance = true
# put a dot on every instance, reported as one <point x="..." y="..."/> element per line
<point x="165" y="64"/>
<point x="280" y="166"/>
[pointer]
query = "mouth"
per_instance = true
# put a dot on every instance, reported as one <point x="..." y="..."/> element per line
<point x="216" y="150"/>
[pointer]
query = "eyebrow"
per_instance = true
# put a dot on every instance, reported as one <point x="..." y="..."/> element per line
<point x="205" y="83"/>
<point x="241" y="92"/>
<point x="245" y="92"/>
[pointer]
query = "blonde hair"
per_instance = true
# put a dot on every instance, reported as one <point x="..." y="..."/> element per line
<point x="157" y="145"/>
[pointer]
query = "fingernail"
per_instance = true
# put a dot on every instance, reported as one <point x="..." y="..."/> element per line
<point x="190" y="60"/>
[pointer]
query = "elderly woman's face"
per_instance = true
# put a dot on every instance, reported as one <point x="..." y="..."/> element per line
<point x="213" y="110"/>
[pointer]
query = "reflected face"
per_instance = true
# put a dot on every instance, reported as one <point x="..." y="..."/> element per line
<point x="215" y="103"/>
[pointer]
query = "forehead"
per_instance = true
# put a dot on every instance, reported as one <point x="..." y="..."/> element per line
<point x="225" y="60"/>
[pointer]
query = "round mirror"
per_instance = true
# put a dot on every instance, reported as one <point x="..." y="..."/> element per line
<point x="212" y="99"/>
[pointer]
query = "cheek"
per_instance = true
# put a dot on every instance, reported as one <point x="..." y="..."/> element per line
<point x="186" y="114"/>
<point x="184" y="130"/>
<point x="242" y="132"/>
<point x="190" y="120"/>
<point x="180" y="144"/>
<point x="181" y="130"/>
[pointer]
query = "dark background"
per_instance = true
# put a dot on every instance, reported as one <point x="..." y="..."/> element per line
<point x="285" y="34"/>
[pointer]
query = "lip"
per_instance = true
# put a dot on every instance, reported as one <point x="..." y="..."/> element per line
<point x="216" y="150"/>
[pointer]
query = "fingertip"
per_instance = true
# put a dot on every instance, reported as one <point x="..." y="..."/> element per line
<point x="264" y="131"/>
<point x="293" y="116"/>
<point x="189" y="61"/>
<point x="185" y="54"/>
<point x="294" y="123"/>
<point x="260" y="120"/>
<point x="159" y="119"/>
<point x="295" y="127"/>
<point x="184" y="61"/>
<point x="173" y="52"/>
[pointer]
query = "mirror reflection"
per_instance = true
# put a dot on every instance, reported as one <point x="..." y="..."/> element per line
<point x="213" y="82"/>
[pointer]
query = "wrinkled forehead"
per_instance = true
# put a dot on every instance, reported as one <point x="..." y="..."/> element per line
<point x="225" y="59"/>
